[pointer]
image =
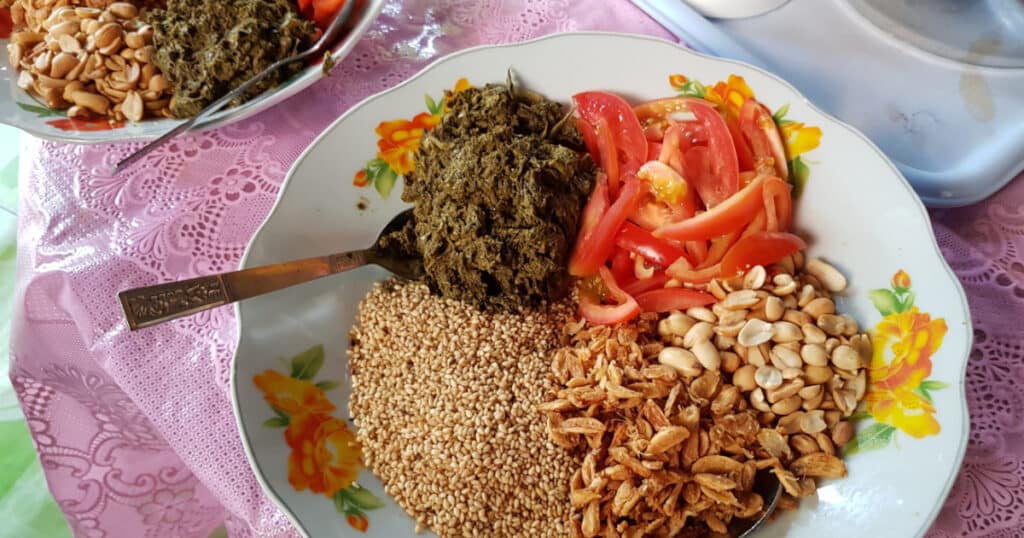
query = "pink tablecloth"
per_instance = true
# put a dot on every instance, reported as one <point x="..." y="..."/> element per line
<point x="135" y="430"/>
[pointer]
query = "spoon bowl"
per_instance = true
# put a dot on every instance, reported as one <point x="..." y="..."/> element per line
<point x="770" y="489"/>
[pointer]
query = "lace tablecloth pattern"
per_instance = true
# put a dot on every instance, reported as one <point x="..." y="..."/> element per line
<point x="136" y="432"/>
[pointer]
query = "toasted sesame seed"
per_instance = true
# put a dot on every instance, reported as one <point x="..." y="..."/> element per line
<point x="444" y="399"/>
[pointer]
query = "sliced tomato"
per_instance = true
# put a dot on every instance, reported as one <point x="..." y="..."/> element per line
<point x="6" y="23"/>
<point x="719" y="246"/>
<point x="722" y="163"/>
<point x="654" y="131"/>
<point x="756" y="225"/>
<point x="698" y="251"/>
<point x="668" y="299"/>
<point x="731" y="215"/>
<point x="663" y="108"/>
<point x="322" y="12"/>
<point x="589" y="134"/>
<point x="639" y="241"/>
<point x="608" y="150"/>
<point x="597" y="206"/>
<point x="651" y="215"/>
<point x="673" y="148"/>
<point x="595" y="311"/>
<point x="653" y="150"/>
<point x="666" y="183"/>
<point x="683" y="272"/>
<point x="623" y="127"/>
<point x="778" y="205"/>
<point x="761" y="133"/>
<point x="744" y="155"/>
<point x="593" y="249"/>
<point x="641" y="285"/>
<point x="761" y="248"/>
<point x="622" y="266"/>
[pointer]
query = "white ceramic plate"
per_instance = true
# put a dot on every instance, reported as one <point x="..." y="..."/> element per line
<point x="856" y="210"/>
<point x="21" y="110"/>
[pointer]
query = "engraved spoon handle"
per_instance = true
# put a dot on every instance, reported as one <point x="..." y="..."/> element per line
<point x="151" y="305"/>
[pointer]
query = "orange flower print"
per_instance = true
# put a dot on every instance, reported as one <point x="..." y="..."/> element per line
<point x="730" y="95"/>
<point x="358" y="522"/>
<point x="912" y="337"/>
<point x="901" y="281"/>
<point x="677" y="81"/>
<point x="904" y="409"/>
<point x="361" y="179"/>
<point x="292" y="396"/>
<point x="325" y="457"/>
<point x="399" y="140"/>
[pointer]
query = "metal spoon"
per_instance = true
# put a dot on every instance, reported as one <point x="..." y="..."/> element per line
<point x="770" y="489"/>
<point x="151" y="305"/>
<point x="329" y="36"/>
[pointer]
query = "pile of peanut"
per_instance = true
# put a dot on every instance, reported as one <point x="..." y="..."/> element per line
<point x="93" y="58"/>
<point x="673" y="415"/>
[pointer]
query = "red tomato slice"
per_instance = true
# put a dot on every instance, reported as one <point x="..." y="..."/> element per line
<point x="663" y="108"/>
<point x="744" y="155"/>
<point x="625" y="129"/>
<point x="668" y="299"/>
<point x="324" y="11"/>
<point x="756" y="225"/>
<point x="673" y="147"/>
<point x="589" y="134"/>
<point x="654" y="131"/>
<point x="698" y="251"/>
<point x="759" y="129"/>
<point x="731" y="215"/>
<point x="641" y="285"/>
<point x="622" y="266"/>
<point x="719" y="246"/>
<point x="778" y="205"/>
<point x="625" y="309"/>
<point x="761" y="248"/>
<point x="597" y="206"/>
<point x="653" y="150"/>
<point x="639" y="241"/>
<point x="591" y="251"/>
<point x="684" y="273"/>
<point x="721" y="156"/>
<point x="6" y="23"/>
<point x="608" y="150"/>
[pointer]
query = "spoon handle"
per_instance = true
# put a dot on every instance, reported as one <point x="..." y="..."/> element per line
<point x="151" y="305"/>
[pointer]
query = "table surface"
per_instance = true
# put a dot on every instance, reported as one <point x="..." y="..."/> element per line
<point x="24" y="498"/>
<point x="125" y="454"/>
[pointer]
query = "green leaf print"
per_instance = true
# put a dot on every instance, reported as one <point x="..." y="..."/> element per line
<point x="305" y="365"/>
<point x="876" y="436"/>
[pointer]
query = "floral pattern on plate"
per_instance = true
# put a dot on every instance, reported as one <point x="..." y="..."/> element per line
<point x="398" y="141"/>
<point x="899" y="392"/>
<point x="325" y="456"/>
